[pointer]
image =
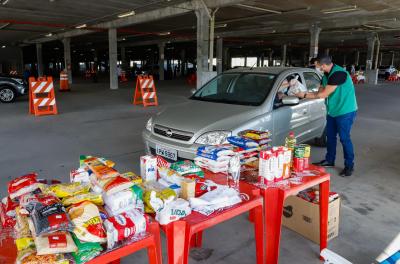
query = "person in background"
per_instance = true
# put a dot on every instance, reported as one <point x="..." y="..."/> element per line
<point x="353" y="70"/>
<point x="311" y="64"/>
<point x="338" y="90"/>
<point x="26" y="74"/>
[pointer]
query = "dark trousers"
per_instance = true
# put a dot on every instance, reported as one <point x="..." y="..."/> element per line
<point x="340" y="125"/>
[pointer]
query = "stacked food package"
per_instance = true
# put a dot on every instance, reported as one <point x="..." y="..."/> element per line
<point x="247" y="145"/>
<point x="74" y="222"/>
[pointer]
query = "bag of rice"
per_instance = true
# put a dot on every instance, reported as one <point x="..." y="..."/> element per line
<point x="55" y="243"/>
<point x="22" y="185"/>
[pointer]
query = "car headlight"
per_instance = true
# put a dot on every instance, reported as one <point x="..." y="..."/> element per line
<point x="149" y="124"/>
<point x="20" y="81"/>
<point x="213" y="138"/>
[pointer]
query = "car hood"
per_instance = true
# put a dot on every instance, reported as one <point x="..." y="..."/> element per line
<point x="199" y="116"/>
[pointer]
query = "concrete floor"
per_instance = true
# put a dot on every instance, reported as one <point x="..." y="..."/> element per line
<point x="95" y="120"/>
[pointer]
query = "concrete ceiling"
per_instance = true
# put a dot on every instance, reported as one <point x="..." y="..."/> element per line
<point x="265" y="22"/>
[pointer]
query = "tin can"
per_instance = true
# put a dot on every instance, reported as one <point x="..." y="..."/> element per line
<point x="307" y="150"/>
<point x="306" y="162"/>
<point x="298" y="164"/>
<point x="299" y="151"/>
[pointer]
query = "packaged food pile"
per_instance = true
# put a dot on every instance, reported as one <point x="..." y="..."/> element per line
<point x="77" y="221"/>
<point x="312" y="195"/>
<point x="247" y="145"/>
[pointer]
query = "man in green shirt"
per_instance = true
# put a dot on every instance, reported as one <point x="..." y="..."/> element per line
<point x="338" y="90"/>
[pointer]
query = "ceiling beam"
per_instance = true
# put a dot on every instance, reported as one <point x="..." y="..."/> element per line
<point x="161" y="13"/>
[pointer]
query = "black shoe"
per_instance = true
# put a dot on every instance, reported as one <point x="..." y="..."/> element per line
<point x="325" y="164"/>
<point x="346" y="172"/>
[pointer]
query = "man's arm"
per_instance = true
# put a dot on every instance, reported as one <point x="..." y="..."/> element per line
<point x="321" y="94"/>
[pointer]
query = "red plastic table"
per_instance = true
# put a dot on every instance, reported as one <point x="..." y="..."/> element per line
<point x="274" y="199"/>
<point x="152" y="242"/>
<point x="187" y="232"/>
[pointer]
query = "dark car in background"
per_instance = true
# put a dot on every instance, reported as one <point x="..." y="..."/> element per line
<point x="11" y="87"/>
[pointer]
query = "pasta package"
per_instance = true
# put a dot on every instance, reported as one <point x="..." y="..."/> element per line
<point x="95" y="198"/>
<point x="101" y="170"/>
<point x="64" y="190"/>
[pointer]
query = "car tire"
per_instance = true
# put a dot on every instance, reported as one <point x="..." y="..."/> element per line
<point x="321" y="141"/>
<point x="7" y="94"/>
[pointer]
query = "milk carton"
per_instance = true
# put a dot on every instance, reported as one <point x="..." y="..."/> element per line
<point x="148" y="168"/>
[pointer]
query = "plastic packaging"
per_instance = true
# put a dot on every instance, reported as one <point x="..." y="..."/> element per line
<point x="136" y="179"/>
<point x="170" y="175"/>
<point x="148" y="168"/>
<point x="242" y="142"/>
<point x="124" y="226"/>
<point x="80" y="175"/>
<point x="173" y="210"/>
<point x="255" y="134"/>
<point x="101" y="170"/>
<point x="22" y="185"/>
<point x="89" y="197"/>
<point x="63" y="190"/>
<point x="120" y="199"/>
<point x="55" y="243"/>
<point x="117" y="184"/>
<point x="87" y="221"/>
<point x="86" y="250"/>
<point x="187" y="167"/>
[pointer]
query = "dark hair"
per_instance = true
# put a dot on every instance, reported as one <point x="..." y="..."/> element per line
<point x="324" y="59"/>
<point x="312" y="61"/>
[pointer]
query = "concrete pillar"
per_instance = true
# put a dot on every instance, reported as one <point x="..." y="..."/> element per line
<point x="392" y="63"/>
<point x="262" y="59"/>
<point x="226" y="61"/>
<point x="327" y="51"/>
<point x="380" y="58"/>
<point x="211" y="46"/>
<point x="314" y="40"/>
<point x="203" y="23"/>
<point x="284" y="50"/>
<point x="270" y="59"/>
<point x="67" y="58"/>
<point x="161" y="57"/>
<point x="378" y="44"/>
<point x="357" y="59"/>
<point x="344" y="59"/>
<point x="39" y="59"/>
<point x="219" y="55"/>
<point x="113" y="57"/>
<point x="370" y="54"/>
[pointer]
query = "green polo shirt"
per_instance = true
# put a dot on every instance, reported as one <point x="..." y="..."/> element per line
<point x="343" y="100"/>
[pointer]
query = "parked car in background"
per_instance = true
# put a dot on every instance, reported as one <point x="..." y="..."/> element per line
<point x="11" y="87"/>
<point x="238" y="99"/>
<point x="386" y="71"/>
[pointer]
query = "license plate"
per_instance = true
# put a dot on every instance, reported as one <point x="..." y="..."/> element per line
<point x="167" y="153"/>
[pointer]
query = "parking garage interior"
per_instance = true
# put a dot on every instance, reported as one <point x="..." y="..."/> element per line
<point x="174" y="40"/>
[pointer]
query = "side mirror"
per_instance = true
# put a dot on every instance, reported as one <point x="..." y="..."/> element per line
<point x="290" y="100"/>
<point x="193" y="91"/>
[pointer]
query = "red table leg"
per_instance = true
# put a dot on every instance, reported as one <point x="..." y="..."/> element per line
<point x="115" y="262"/>
<point x="176" y="234"/>
<point x="154" y="252"/>
<point x="273" y="207"/>
<point x="323" y="214"/>
<point x="257" y="214"/>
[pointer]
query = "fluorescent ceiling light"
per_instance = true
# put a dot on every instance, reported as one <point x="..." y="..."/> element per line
<point x="221" y="26"/>
<point x="130" y="13"/>
<point x="259" y="9"/>
<point x="49" y="34"/>
<point x="5" y="2"/>
<point x="339" y="9"/>
<point x="81" y="26"/>
<point x="164" y="33"/>
<point x="3" y="47"/>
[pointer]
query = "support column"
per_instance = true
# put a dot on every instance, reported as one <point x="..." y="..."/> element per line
<point x="392" y="58"/>
<point x="270" y="59"/>
<point x="380" y="58"/>
<point x="226" y="60"/>
<point x="211" y="50"/>
<point x="161" y="57"/>
<point x="67" y="58"/>
<point x="370" y="54"/>
<point x="327" y="51"/>
<point x="183" y="62"/>
<point x="378" y="44"/>
<point x="113" y="57"/>
<point x="39" y="59"/>
<point x="284" y="50"/>
<point x="219" y="55"/>
<point x="203" y="23"/>
<point x="357" y="59"/>
<point x="314" y="40"/>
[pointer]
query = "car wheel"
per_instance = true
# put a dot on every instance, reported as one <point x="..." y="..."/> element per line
<point x="321" y="141"/>
<point x="7" y="94"/>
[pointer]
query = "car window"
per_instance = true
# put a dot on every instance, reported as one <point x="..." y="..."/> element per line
<point x="237" y="88"/>
<point x="312" y="80"/>
<point x="284" y="87"/>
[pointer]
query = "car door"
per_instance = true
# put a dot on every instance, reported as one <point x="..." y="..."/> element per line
<point x="288" y="118"/>
<point x="317" y="108"/>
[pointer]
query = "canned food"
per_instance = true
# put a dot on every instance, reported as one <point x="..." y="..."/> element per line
<point x="299" y="151"/>
<point x="307" y="150"/>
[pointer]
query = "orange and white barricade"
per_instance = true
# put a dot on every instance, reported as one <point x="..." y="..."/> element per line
<point x="145" y="92"/>
<point x="42" y="100"/>
<point x="14" y="73"/>
<point x="64" y="86"/>
<point x="123" y="77"/>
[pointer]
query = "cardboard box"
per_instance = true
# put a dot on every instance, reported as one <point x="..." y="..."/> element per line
<point x="303" y="217"/>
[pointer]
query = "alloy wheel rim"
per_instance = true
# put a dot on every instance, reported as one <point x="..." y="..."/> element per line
<point x="6" y="95"/>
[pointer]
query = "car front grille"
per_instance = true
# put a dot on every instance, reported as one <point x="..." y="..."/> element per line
<point x="172" y="133"/>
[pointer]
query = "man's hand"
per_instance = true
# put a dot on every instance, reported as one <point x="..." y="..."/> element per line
<point x="300" y="95"/>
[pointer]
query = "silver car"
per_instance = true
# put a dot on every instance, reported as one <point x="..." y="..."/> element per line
<point x="236" y="100"/>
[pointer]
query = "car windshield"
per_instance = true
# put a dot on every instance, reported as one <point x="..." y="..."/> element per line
<point x="237" y="88"/>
